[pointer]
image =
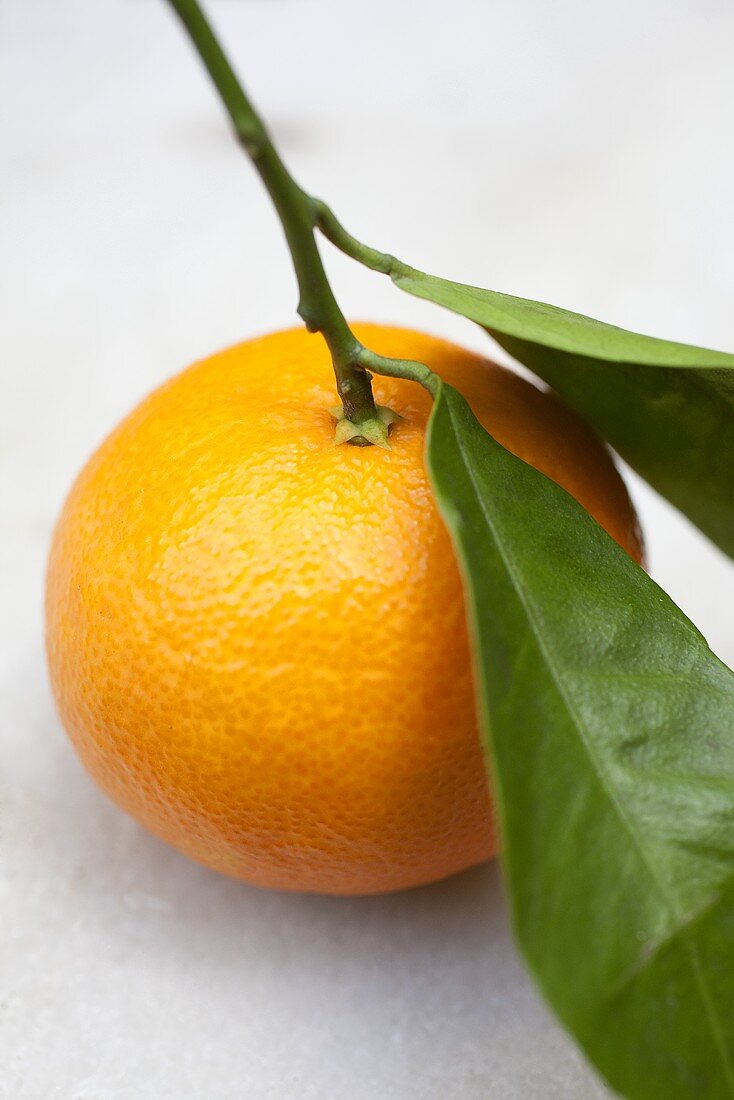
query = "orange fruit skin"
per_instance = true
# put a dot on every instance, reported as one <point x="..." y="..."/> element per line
<point x="257" y="639"/>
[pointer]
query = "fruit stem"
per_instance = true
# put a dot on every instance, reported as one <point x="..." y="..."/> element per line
<point x="297" y="212"/>
<point x="361" y="422"/>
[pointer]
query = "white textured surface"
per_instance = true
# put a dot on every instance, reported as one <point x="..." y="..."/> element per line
<point x="575" y="152"/>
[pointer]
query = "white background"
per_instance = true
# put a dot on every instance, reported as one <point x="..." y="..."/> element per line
<point x="576" y="152"/>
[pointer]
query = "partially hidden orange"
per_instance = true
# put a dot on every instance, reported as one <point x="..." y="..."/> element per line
<point x="257" y="639"/>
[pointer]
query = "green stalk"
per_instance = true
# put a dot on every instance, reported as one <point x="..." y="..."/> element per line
<point x="361" y="421"/>
<point x="335" y="232"/>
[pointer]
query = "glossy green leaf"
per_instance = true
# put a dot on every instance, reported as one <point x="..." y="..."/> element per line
<point x="667" y="408"/>
<point x="610" y="730"/>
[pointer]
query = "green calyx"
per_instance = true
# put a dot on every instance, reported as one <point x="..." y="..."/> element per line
<point x="373" y="431"/>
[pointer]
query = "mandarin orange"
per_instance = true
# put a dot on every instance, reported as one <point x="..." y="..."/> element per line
<point x="257" y="639"/>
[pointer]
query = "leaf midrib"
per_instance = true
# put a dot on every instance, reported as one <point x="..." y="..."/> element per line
<point x="558" y="343"/>
<point x="680" y="919"/>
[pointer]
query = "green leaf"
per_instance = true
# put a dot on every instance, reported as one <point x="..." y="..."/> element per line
<point x="667" y="408"/>
<point x="610" y="729"/>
